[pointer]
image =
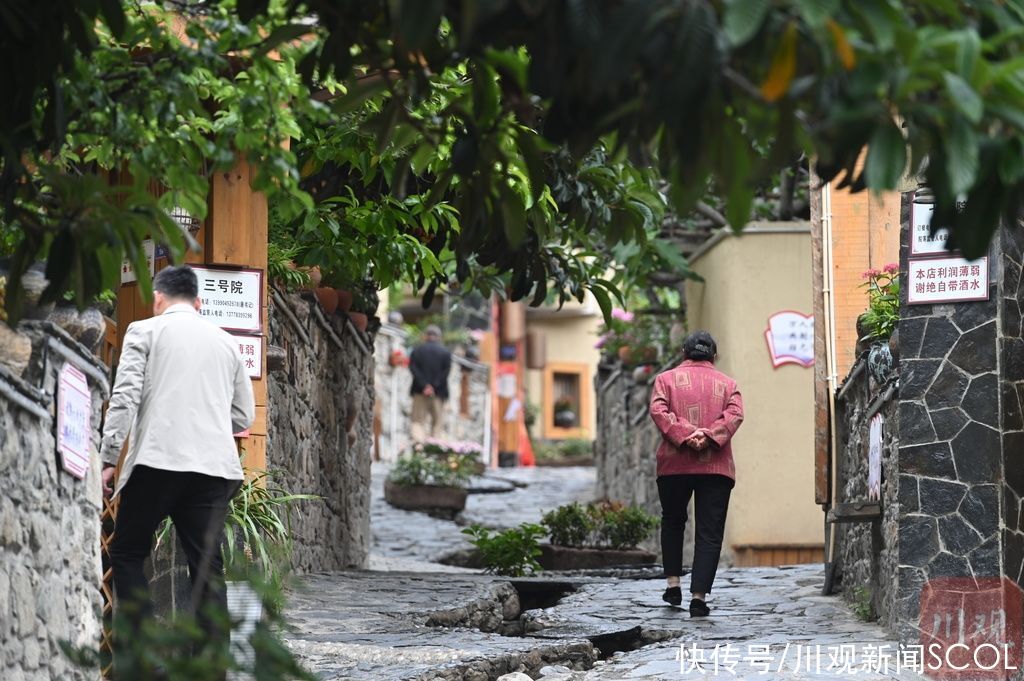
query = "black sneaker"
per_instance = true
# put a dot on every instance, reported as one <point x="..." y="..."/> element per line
<point x="673" y="595"/>
<point x="699" y="608"/>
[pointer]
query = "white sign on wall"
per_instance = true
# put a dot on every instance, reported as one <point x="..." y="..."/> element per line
<point x="790" y="337"/>
<point x="74" y="420"/>
<point x="946" y="280"/>
<point x="128" y="272"/>
<point x="923" y="242"/>
<point x="875" y="458"/>
<point x="232" y="298"/>
<point x="250" y="350"/>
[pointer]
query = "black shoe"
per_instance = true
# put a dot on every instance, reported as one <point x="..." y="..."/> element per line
<point x="673" y="595"/>
<point x="699" y="608"/>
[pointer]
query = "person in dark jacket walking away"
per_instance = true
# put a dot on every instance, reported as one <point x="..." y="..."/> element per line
<point x="430" y="364"/>
<point x="697" y="408"/>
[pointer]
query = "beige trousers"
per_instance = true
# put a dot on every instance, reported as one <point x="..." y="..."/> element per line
<point x="427" y="409"/>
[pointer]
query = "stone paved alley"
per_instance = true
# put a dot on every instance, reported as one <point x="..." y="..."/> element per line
<point x="412" y="618"/>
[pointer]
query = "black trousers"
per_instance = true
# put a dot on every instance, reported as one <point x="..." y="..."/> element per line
<point x="198" y="506"/>
<point x="711" y="501"/>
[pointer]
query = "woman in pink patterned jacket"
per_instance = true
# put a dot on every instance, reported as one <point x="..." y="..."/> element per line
<point x="697" y="408"/>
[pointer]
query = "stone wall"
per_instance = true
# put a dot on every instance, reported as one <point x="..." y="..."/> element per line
<point x="625" y="446"/>
<point x="49" y="520"/>
<point x="865" y="553"/>
<point x="467" y="410"/>
<point x="320" y="431"/>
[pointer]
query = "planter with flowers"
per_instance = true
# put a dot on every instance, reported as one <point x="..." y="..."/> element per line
<point x="565" y="413"/>
<point x="636" y="340"/>
<point x="463" y="455"/>
<point x="599" y="535"/>
<point x="424" y="483"/>
<point x="876" y="327"/>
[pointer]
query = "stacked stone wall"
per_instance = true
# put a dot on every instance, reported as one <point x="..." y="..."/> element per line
<point x="49" y="520"/>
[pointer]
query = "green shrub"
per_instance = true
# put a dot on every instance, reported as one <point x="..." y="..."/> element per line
<point x="416" y="469"/>
<point x="573" y="448"/>
<point x="599" y="524"/>
<point x="622" y="527"/>
<point x="512" y="553"/>
<point x="569" y="525"/>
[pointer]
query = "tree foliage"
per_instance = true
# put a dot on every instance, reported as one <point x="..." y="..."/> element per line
<point x="500" y="110"/>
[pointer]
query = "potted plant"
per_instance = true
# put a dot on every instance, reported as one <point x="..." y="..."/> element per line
<point x="599" y="535"/>
<point x="463" y="455"/>
<point x="424" y="483"/>
<point x="877" y="325"/>
<point x="565" y="413"/>
<point x="283" y="271"/>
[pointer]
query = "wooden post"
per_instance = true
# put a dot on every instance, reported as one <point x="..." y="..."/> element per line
<point x="236" y="234"/>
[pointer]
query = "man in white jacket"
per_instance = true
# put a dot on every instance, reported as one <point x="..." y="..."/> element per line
<point x="180" y="394"/>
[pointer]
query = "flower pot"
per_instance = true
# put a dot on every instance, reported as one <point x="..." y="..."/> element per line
<point x="624" y="353"/>
<point x="359" y="319"/>
<point x="568" y="558"/>
<point x="565" y="418"/>
<point x="344" y="300"/>
<point x="430" y="498"/>
<point x="328" y="299"/>
<point x="880" y="361"/>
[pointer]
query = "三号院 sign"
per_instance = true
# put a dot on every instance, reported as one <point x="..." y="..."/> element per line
<point x="946" y="280"/>
<point x="232" y="298"/>
<point x="74" y="420"/>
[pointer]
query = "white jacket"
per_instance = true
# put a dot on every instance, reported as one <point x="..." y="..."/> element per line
<point x="182" y="392"/>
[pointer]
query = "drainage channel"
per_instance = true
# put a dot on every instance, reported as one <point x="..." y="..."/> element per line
<point x="511" y="612"/>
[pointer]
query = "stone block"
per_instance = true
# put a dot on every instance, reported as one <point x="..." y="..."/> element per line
<point x="985" y="559"/>
<point x="911" y="335"/>
<point x="947" y="390"/>
<point x="1013" y="461"/>
<point x="1012" y="366"/>
<point x="915" y="425"/>
<point x="976" y="451"/>
<point x="932" y="460"/>
<point x="947" y="422"/>
<point x="957" y="536"/>
<point x="975" y="351"/>
<point x="948" y="565"/>
<point x="970" y="315"/>
<point x="908" y="494"/>
<point x="940" y="497"/>
<point x="979" y="402"/>
<point x="939" y="337"/>
<point x="980" y="508"/>
<point x="918" y="540"/>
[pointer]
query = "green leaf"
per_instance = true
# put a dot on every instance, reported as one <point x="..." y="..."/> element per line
<point x="417" y="21"/>
<point x="961" y="147"/>
<point x="282" y="34"/>
<point x="358" y="92"/>
<point x="604" y="301"/>
<point x="964" y="97"/>
<point x="817" y="12"/>
<point x="743" y="18"/>
<point x="881" y="19"/>
<point x="887" y="156"/>
<point x="534" y="161"/>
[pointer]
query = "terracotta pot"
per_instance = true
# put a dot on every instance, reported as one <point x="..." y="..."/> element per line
<point x="425" y="497"/>
<point x="344" y="300"/>
<point x="314" y="276"/>
<point x="328" y="299"/>
<point x="359" y="319"/>
<point x="624" y="353"/>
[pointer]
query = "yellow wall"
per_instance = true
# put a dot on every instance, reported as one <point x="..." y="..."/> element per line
<point x="747" y="279"/>
<point x="568" y="339"/>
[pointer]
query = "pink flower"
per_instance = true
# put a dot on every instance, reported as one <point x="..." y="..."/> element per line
<point x="601" y="341"/>
<point x="892" y="268"/>
<point x="622" y="315"/>
<point x="871" y="274"/>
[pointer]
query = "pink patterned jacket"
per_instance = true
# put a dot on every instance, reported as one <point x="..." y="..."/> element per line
<point x="694" y="397"/>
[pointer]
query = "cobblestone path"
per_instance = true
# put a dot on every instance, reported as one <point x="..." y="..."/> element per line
<point x="410" y="618"/>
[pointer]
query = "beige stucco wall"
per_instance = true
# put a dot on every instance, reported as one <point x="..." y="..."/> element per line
<point x="747" y="279"/>
<point x="571" y="339"/>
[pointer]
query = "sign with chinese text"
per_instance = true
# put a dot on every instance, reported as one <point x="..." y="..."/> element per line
<point x="790" y="337"/>
<point x="74" y="420"/>
<point x="250" y="349"/>
<point x="922" y="241"/>
<point x="232" y="298"/>
<point x="875" y="458"/>
<point x="128" y="272"/>
<point x="946" y="280"/>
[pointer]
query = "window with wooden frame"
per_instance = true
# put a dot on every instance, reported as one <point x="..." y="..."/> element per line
<point x="567" y="394"/>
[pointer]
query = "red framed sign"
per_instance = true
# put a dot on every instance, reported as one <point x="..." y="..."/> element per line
<point x="946" y="280"/>
<point x="231" y="297"/>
